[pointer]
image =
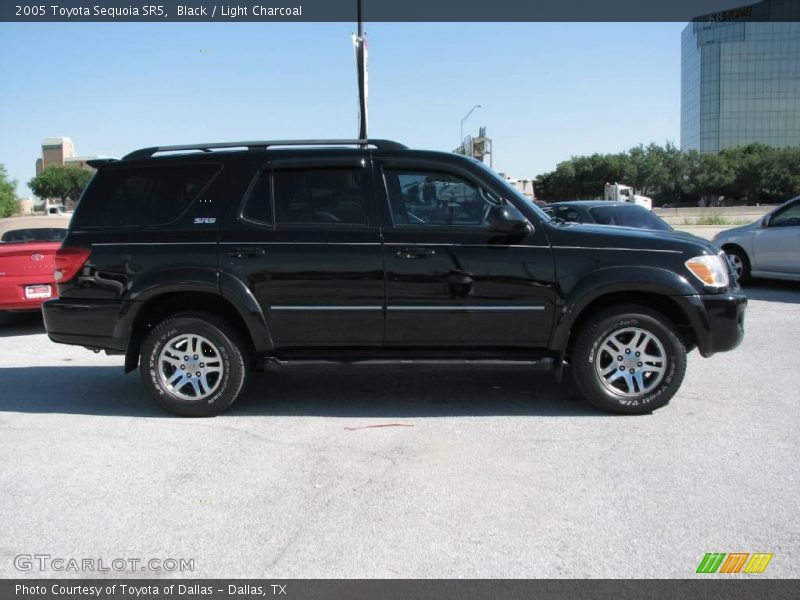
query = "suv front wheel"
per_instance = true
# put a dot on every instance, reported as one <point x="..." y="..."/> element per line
<point x="628" y="359"/>
<point x="193" y="364"/>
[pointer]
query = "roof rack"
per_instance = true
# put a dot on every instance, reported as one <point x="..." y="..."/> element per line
<point x="263" y="145"/>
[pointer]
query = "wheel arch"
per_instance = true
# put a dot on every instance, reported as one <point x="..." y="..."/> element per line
<point x="653" y="288"/>
<point x="159" y="307"/>
<point x="660" y="303"/>
<point x="737" y="246"/>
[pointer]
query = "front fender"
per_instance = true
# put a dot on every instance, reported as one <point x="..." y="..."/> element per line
<point x="611" y="280"/>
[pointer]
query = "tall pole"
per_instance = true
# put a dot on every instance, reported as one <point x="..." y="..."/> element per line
<point x="360" y="45"/>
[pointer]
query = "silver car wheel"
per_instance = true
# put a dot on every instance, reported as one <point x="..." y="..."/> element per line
<point x="190" y="366"/>
<point x="737" y="264"/>
<point x="630" y="362"/>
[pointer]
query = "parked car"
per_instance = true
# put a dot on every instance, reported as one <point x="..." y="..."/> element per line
<point x="606" y="212"/>
<point x="27" y="249"/>
<point x="200" y="263"/>
<point x="769" y="247"/>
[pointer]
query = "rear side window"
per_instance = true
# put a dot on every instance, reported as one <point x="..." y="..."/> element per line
<point x="141" y="196"/>
<point x="328" y="196"/>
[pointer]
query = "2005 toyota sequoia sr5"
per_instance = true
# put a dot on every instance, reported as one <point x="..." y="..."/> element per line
<point x="200" y="263"/>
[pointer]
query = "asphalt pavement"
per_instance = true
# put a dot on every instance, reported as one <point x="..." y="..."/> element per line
<point x="403" y="471"/>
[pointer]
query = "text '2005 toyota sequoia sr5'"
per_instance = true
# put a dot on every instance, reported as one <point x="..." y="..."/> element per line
<point x="200" y="263"/>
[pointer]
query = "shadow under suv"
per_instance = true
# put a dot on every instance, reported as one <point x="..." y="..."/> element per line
<point x="200" y="263"/>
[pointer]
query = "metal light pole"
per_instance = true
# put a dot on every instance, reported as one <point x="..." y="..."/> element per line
<point x="461" y="139"/>
<point x="360" y="45"/>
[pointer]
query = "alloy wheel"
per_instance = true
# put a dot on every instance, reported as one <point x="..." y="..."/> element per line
<point x="190" y="366"/>
<point x="630" y="362"/>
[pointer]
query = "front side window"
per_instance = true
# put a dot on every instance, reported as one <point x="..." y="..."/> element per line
<point x="788" y="217"/>
<point x="320" y="196"/>
<point x="437" y="199"/>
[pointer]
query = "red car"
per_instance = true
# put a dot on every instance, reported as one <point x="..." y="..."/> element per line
<point x="27" y="259"/>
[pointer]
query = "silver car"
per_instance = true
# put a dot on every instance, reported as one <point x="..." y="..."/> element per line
<point x="768" y="248"/>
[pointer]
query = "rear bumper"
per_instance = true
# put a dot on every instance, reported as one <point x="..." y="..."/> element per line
<point x="717" y="320"/>
<point x="12" y="293"/>
<point x="84" y="324"/>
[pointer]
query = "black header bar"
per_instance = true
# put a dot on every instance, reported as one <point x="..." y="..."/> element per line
<point x="733" y="588"/>
<point x="158" y="11"/>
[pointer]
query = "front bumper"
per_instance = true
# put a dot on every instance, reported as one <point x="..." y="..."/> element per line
<point x="717" y="320"/>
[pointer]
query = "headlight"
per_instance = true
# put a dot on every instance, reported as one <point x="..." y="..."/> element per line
<point x="711" y="270"/>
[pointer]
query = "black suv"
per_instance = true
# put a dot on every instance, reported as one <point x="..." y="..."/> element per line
<point x="200" y="263"/>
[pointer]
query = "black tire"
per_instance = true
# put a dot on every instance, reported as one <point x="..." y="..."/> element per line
<point x="737" y="254"/>
<point x="588" y="357"/>
<point x="222" y="345"/>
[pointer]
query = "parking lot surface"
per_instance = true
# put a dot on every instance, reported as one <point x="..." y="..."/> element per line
<point x="404" y="471"/>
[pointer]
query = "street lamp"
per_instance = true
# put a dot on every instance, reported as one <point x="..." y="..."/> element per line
<point x="461" y="140"/>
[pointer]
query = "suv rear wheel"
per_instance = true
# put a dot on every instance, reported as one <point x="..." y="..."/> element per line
<point x="628" y="359"/>
<point x="193" y="364"/>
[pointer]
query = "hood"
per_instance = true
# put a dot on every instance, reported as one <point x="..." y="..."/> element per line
<point x="611" y="236"/>
<point x="741" y="229"/>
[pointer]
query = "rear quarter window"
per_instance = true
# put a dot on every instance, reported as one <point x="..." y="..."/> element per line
<point x="141" y="196"/>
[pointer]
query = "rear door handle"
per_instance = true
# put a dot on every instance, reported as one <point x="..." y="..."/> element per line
<point x="413" y="252"/>
<point x="246" y="252"/>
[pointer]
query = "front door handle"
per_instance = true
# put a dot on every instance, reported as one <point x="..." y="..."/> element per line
<point x="413" y="252"/>
<point x="246" y="252"/>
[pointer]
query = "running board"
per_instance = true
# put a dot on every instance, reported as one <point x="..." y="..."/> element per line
<point x="273" y="362"/>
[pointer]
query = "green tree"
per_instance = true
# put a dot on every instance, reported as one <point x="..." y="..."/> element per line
<point x="754" y="172"/>
<point x="708" y="174"/>
<point x="673" y="178"/>
<point x="65" y="183"/>
<point x="8" y="196"/>
<point x="581" y="177"/>
<point x="786" y="183"/>
<point x="645" y="169"/>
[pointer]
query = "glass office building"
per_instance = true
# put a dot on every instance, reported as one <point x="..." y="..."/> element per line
<point x="740" y="77"/>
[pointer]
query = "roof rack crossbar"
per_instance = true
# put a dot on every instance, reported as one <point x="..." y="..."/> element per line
<point x="263" y="145"/>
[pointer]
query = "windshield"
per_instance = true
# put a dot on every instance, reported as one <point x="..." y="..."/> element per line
<point x="515" y="192"/>
<point x="629" y="215"/>
<point x="40" y="234"/>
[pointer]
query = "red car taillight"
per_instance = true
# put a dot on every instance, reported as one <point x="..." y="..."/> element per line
<point x="69" y="260"/>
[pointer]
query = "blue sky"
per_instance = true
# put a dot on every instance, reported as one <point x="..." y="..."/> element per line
<point x="548" y="90"/>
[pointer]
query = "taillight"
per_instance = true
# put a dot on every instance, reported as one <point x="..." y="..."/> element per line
<point x="69" y="260"/>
